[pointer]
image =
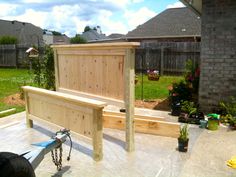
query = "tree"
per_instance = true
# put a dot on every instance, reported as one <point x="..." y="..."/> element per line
<point x="56" y="33"/>
<point x="87" y="28"/>
<point x="8" y="40"/>
<point x="78" y="40"/>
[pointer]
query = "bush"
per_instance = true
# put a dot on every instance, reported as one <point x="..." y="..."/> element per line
<point x="180" y="92"/>
<point x="8" y="40"/>
<point x="43" y="70"/>
<point x="48" y="69"/>
<point x="192" y="76"/>
<point x="228" y="111"/>
<point x="188" y="107"/>
<point x="78" y="40"/>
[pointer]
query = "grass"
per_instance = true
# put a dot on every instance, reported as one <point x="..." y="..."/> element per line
<point x="154" y="89"/>
<point x="10" y="82"/>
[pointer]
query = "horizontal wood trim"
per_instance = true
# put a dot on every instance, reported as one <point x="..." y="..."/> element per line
<point x="65" y="97"/>
<point x="99" y="45"/>
<point x="110" y="101"/>
<point x="136" y="116"/>
<point x="92" y="52"/>
<point x="153" y="127"/>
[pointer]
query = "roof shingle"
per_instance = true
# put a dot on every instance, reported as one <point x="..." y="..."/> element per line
<point x="175" y="22"/>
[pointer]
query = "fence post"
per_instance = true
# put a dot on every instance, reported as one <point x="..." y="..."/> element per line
<point x="16" y="52"/>
<point x="162" y="61"/>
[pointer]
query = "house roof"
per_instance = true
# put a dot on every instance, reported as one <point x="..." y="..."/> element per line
<point x="195" y="6"/>
<point x="174" y="22"/>
<point x="26" y="33"/>
<point x="116" y="35"/>
<point x="93" y="35"/>
<point x="61" y="39"/>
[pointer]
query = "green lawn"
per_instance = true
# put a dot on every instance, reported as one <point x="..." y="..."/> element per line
<point x="10" y="82"/>
<point x="12" y="79"/>
<point x="154" y="89"/>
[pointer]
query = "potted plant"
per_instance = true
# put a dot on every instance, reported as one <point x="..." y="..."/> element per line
<point x="153" y="75"/>
<point x="213" y="121"/>
<point x="183" y="139"/>
<point x="228" y="112"/>
<point x="187" y="109"/>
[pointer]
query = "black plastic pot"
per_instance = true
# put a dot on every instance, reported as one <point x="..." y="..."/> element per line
<point x="175" y="109"/>
<point x="182" y="145"/>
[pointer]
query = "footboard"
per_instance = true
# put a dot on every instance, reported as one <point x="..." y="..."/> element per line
<point x="81" y="115"/>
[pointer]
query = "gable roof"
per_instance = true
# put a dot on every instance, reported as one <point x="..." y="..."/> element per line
<point x="175" y="22"/>
<point x="116" y="35"/>
<point x="93" y="35"/>
<point x="26" y="33"/>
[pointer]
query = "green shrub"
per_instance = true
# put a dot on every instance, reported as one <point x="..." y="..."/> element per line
<point x="8" y="40"/>
<point x="192" y="75"/>
<point x="180" y="92"/>
<point x="77" y="40"/>
<point x="228" y="111"/>
<point x="188" y="107"/>
<point x="43" y="70"/>
<point x="48" y="69"/>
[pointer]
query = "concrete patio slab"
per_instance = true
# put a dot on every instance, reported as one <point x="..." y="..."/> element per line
<point x="155" y="156"/>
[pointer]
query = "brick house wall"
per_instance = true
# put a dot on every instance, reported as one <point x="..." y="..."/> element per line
<point x="218" y="52"/>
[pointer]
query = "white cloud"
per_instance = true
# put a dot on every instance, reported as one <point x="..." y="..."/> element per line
<point x="135" y="18"/>
<point x="73" y="17"/>
<point x="108" y="25"/>
<point x="137" y="1"/>
<point x="175" y="5"/>
<point x="31" y="16"/>
<point x="7" y="9"/>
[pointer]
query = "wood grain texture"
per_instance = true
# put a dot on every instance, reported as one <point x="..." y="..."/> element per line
<point x="94" y="69"/>
<point x="129" y="98"/>
<point x="80" y="115"/>
<point x="154" y="127"/>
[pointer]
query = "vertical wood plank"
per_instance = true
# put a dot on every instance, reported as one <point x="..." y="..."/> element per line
<point x="97" y="135"/>
<point x="162" y="61"/>
<point x="129" y="98"/>
<point x="29" y="122"/>
<point x="56" y="69"/>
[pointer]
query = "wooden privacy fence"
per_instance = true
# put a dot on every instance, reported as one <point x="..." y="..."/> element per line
<point x="167" y="57"/>
<point x="80" y="115"/>
<point x="100" y="71"/>
<point x="14" y="55"/>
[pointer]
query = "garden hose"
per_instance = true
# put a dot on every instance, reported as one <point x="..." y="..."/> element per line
<point x="232" y="162"/>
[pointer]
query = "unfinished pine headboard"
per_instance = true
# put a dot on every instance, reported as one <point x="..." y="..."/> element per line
<point x="101" y="71"/>
<point x="80" y="115"/>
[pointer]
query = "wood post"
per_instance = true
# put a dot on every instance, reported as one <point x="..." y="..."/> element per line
<point x="97" y="134"/>
<point x="56" y="69"/>
<point x="29" y="122"/>
<point x="129" y="98"/>
<point x="162" y="61"/>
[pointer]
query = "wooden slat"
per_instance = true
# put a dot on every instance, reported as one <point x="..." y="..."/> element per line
<point x="65" y="97"/>
<point x="99" y="45"/>
<point x="136" y="116"/>
<point x="108" y="100"/>
<point x="161" y="128"/>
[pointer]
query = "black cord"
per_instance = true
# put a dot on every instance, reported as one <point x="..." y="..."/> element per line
<point x="68" y="158"/>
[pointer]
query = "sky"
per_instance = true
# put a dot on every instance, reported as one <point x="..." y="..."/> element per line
<point x="71" y="16"/>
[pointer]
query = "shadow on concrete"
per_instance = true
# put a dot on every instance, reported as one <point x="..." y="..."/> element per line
<point x="61" y="172"/>
<point x="75" y="145"/>
<point x="114" y="140"/>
